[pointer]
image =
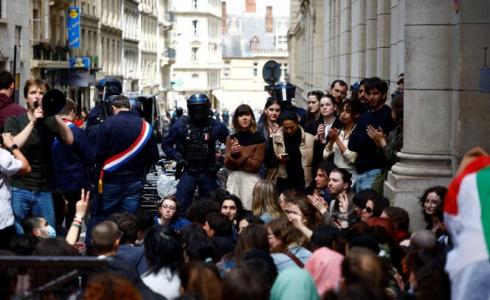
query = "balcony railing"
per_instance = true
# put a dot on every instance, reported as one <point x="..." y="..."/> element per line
<point x="43" y="51"/>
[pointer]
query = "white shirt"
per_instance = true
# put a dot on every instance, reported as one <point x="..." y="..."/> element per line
<point x="9" y="166"/>
<point x="163" y="283"/>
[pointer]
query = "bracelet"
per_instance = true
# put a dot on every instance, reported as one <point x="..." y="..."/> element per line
<point x="76" y="225"/>
<point x="79" y="222"/>
<point x="12" y="148"/>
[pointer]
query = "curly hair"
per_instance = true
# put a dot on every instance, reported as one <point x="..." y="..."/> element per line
<point x="107" y="286"/>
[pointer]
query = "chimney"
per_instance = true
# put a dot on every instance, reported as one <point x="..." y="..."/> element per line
<point x="250" y="6"/>
<point x="223" y="17"/>
<point x="268" y="19"/>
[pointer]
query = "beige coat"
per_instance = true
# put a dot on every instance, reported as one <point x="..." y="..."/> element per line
<point x="305" y="147"/>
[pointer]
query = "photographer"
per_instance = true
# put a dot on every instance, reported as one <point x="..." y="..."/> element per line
<point x="33" y="135"/>
<point x="106" y="88"/>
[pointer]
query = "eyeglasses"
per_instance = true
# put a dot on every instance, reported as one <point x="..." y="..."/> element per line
<point x="368" y="209"/>
<point x="172" y="208"/>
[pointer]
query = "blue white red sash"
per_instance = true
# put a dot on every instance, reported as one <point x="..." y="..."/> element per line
<point x="69" y="123"/>
<point x="115" y="162"/>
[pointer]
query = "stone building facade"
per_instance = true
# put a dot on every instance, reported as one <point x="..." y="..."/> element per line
<point x="111" y="29"/>
<point x="197" y="42"/>
<point x="254" y="32"/>
<point x="15" y="29"/>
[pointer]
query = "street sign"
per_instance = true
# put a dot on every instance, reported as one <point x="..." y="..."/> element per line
<point x="271" y="72"/>
<point x="80" y="62"/>
<point x="73" y="25"/>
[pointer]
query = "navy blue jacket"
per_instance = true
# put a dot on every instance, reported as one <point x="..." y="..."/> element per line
<point x="115" y="135"/>
<point x="370" y="156"/>
<point x="134" y="255"/>
<point x="71" y="163"/>
<point x="176" y="134"/>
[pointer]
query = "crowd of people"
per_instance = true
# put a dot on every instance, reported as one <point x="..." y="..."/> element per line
<point x="301" y="214"/>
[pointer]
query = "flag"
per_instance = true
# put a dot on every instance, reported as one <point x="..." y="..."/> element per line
<point x="467" y="216"/>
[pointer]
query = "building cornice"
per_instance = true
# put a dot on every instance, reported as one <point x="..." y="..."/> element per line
<point x="196" y="68"/>
<point x="196" y="14"/>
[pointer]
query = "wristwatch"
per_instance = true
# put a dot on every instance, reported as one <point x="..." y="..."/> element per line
<point x="12" y="148"/>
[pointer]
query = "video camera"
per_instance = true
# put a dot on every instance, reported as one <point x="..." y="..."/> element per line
<point x="109" y="88"/>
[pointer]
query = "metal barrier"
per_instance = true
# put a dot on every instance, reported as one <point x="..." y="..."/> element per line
<point x="79" y="266"/>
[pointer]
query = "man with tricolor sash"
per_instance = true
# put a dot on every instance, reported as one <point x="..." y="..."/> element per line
<point x="125" y="149"/>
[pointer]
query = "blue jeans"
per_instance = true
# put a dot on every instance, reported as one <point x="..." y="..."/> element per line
<point x="116" y="198"/>
<point x="187" y="187"/>
<point x="365" y="180"/>
<point x="27" y="203"/>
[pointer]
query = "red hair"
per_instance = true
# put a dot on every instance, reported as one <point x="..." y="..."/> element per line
<point x="383" y="222"/>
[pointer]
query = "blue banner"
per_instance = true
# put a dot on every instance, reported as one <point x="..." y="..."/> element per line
<point x="73" y="24"/>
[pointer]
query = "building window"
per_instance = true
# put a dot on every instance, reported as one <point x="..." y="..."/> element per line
<point x="226" y="72"/>
<point x="195" y="75"/>
<point x="194" y="54"/>
<point x="194" y="4"/>
<point x="256" y="69"/>
<point x="285" y="70"/>
<point x="254" y="43"/>
<point x="194" y="26"/>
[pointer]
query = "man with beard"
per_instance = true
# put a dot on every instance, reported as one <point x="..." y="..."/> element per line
<point x="342" y="210"/>
<point x="191" y="142"/>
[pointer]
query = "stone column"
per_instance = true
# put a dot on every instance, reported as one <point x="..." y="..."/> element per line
<point x="328" y="53"/>
<point x="445" y="114"/>
<point x="397" y="41"/>
<point x="318" y="46"/>
<point x="345" y="41"/>
<point x="371" y="38"/>
<point x="358" y="29"/>
<point x="383" y="39"/>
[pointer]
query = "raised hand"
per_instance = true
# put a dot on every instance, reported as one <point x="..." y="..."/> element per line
<point x="82" y="204"/>
<point x="318" y="202"/>
<point x="377" y="135"/>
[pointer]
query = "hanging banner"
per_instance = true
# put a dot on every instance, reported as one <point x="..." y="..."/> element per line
<point x="73" y="24"/>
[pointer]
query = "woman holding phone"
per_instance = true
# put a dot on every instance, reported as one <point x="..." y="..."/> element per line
<point x="245" y="150"/>
<point x="293" y="148"/>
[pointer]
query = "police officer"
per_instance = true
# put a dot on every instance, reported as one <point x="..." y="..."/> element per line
<point x="195" y="138"/>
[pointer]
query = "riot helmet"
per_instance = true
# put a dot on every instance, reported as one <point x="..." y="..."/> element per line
<point x="199" y="107"/>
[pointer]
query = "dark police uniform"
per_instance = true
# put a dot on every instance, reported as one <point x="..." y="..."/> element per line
<point x="194" y="146"/>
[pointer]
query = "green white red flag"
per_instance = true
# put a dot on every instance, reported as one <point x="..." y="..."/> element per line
<point x="467" y="215"/>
